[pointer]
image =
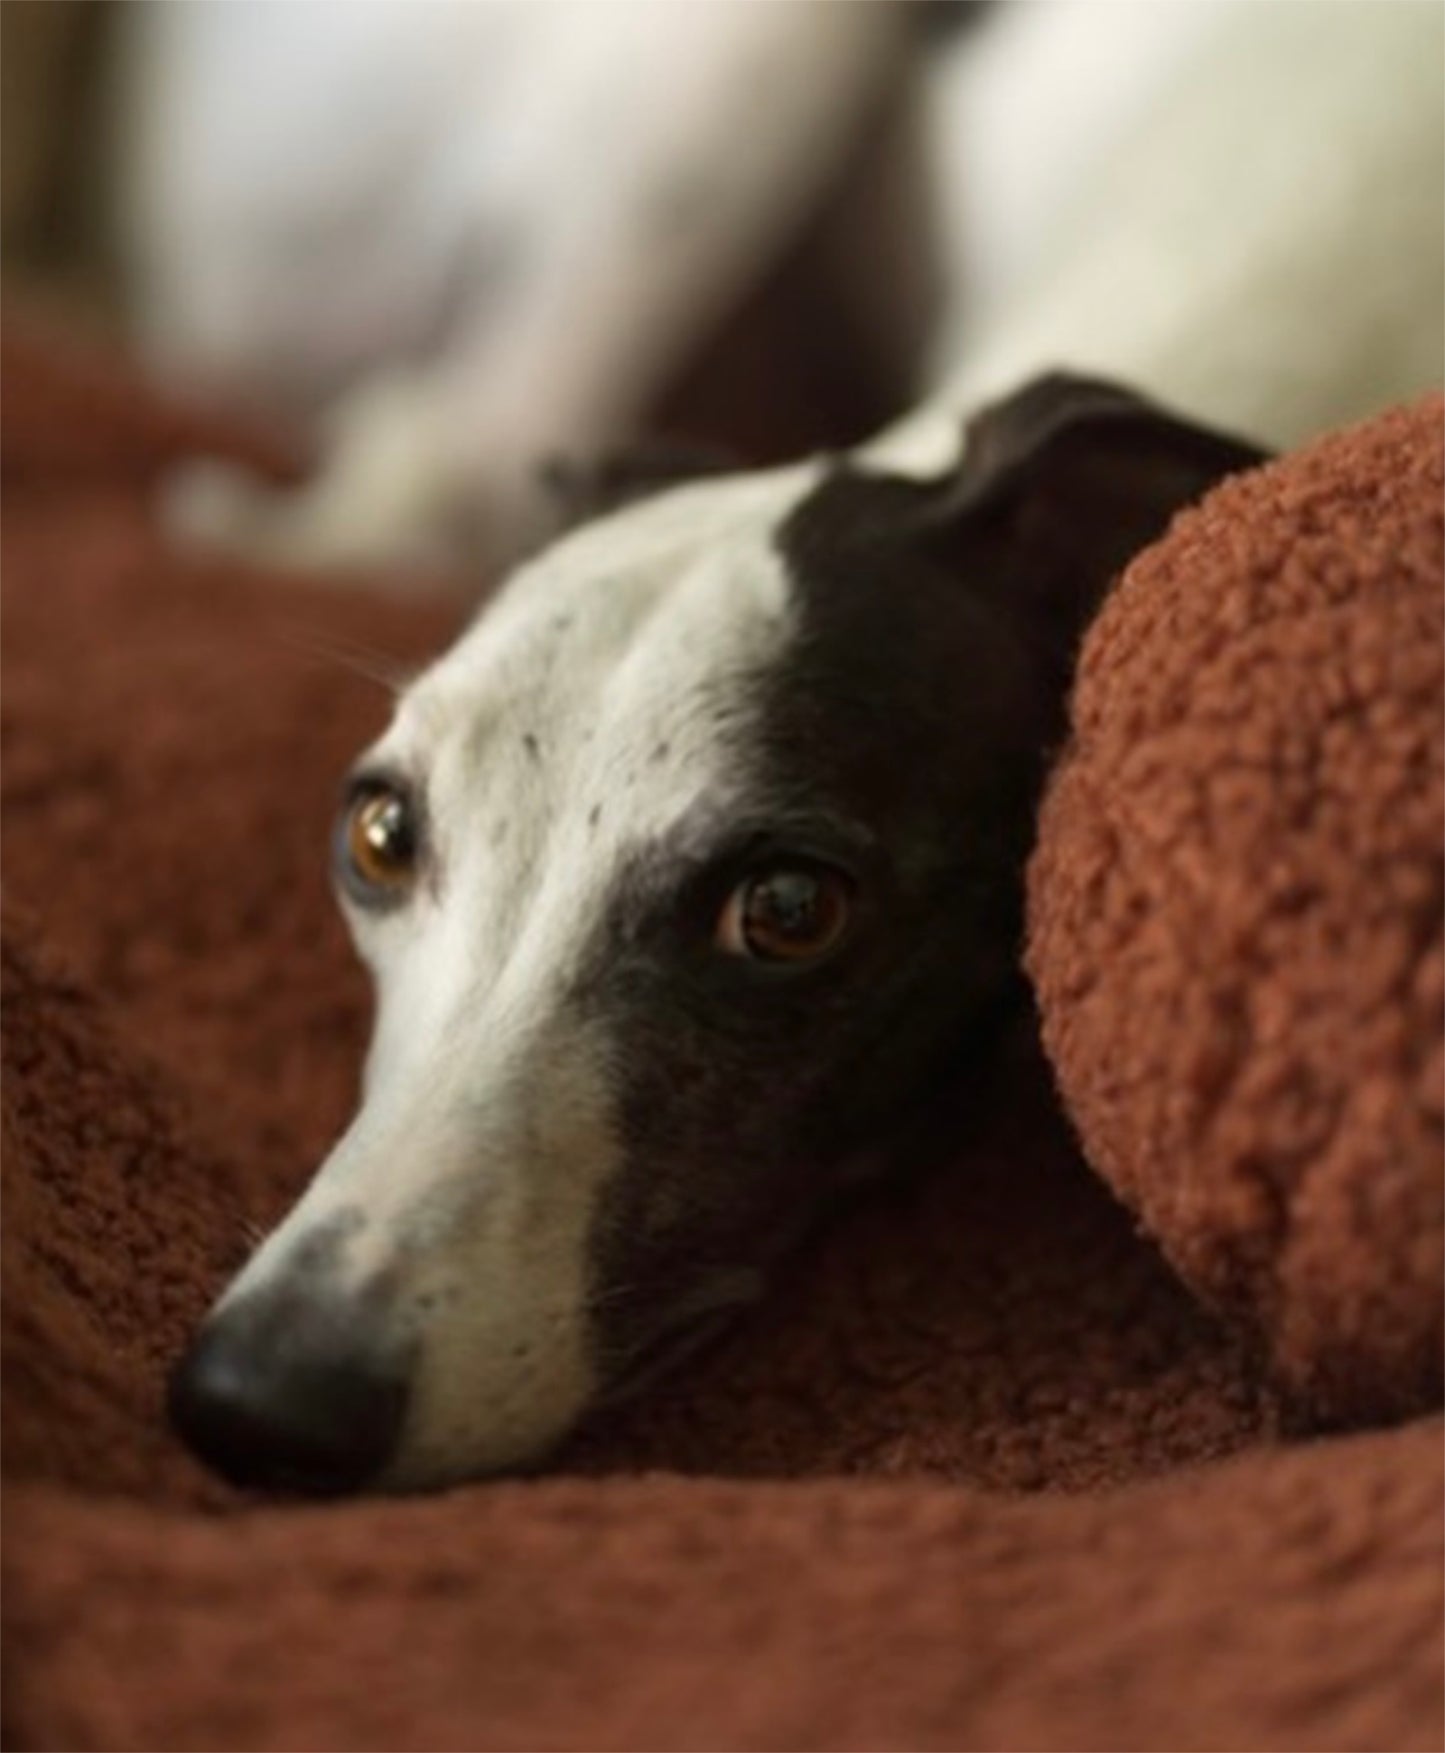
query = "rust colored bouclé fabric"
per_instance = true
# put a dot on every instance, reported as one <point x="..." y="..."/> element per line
<point x="982" y="1474"/>
<point x="1236" y="909"/>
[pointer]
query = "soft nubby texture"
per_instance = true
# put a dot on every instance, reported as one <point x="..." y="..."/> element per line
<point x="1236" y="909"/>
<point x="982" y="1473"/>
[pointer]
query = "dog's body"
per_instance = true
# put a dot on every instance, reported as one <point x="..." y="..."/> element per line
<point x="692" y="872"/>
<point x="1265" y="253"/>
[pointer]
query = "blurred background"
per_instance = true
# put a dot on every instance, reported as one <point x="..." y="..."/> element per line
<point x="814" y="340"/>
<point x="555" y="226"/>
<point x="796" y="354"/>
<point x="52" y="218"/>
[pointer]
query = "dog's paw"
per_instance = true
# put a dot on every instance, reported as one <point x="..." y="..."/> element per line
<point x="392" y="493"/>
<point x="211" y="503"/>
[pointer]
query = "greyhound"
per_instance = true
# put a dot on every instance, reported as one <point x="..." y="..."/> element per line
<point x="691" y="876"/>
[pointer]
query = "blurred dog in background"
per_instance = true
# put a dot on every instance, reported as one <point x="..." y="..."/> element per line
<point x="440" y="244"/>
<point x="446" y="244"/>
<point x="451" y="242"/>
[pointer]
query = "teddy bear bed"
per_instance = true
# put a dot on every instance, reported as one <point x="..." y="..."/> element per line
<point x="984" y="1473"/>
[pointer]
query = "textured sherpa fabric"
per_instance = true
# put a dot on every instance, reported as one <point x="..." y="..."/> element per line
<point x="982" y="1474"/>
<point x="1236" y="908"/>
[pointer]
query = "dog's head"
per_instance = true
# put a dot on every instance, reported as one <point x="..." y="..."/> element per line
<point x="686" y="878"/>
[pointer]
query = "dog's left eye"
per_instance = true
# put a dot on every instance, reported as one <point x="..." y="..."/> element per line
<point x="793" y="913"/>
<point x="376" y="843"/>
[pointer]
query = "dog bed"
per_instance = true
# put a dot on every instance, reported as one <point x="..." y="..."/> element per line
<point x="1236" y="919"/>
<point x="984" y="1473"/>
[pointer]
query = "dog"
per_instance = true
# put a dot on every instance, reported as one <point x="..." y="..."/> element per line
<point x="691" y="876"/>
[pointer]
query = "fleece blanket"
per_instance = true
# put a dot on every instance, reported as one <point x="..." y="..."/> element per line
<point x="982" y="1475"/>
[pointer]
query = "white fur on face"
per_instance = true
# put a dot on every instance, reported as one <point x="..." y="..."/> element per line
<point x="577" y="721"/>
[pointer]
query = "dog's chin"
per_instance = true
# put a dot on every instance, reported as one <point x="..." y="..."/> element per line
<point x="438" y="1453"/>
<point x="431" y="1468"/>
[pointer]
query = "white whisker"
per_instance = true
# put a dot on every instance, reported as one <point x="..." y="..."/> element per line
<point x="361" y="660"/>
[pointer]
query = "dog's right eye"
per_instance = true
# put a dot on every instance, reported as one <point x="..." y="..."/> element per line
<point x="376" y="847"/>
<point x="792" y="913"/>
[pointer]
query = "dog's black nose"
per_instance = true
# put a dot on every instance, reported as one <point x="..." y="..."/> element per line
<point x="287" y="1405"/>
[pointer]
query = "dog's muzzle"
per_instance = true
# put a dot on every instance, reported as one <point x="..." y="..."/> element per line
<point x="282" y="1392"/>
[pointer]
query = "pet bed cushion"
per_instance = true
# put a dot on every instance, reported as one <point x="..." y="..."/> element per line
<point x="1236" y="909"/>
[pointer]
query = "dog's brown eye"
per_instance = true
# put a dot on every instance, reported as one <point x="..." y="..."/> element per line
<point x="791" y="914"/>
<point x="378" y="842"/>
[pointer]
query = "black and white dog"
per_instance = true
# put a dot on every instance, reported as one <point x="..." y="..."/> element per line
<point x="692" y="873"/>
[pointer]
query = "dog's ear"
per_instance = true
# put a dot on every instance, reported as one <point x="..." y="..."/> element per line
<point x="1060" y="485"/>
<point x="582" y="490"/>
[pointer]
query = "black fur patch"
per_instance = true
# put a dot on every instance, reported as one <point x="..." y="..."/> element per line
<point x="904" y="736"/>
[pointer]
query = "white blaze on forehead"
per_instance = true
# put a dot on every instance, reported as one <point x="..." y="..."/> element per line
<point x="576" y="721"/>
<point x="579" y="715"/>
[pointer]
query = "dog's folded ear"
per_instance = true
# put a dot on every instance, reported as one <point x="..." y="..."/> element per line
<point x="1061" y="484"/>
